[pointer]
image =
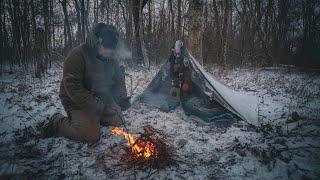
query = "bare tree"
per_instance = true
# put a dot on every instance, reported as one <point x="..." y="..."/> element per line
<point x="240" y="32"/>
<point x="179" y="21"/>
<point x="195" y="28"/>
<point x="66" y="29"/>
<point x="172" y="21"/>
<point x="140" y="51"/>
<point x="225" y="29"/>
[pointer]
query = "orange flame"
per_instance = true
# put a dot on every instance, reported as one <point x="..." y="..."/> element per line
<point x="139" y="149"/>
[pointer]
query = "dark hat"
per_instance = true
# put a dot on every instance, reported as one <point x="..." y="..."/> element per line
<point x="107" y="35"/>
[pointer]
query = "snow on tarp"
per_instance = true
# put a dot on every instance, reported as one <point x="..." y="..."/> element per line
<point x="243" y="105"/>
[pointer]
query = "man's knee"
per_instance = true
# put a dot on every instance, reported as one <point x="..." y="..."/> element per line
<point x="82" y="127"/>
<point x="91" y="132"/>
<point x="91" y="137"/>
<point x="84" y="134"/>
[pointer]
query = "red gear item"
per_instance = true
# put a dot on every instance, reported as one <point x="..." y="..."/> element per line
<point x="185" y="87"/>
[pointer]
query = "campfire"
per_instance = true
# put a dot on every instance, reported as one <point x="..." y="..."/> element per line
<point x="147" y="149"/>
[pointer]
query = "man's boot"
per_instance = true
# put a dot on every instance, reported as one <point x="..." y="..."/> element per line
<point x="50" y="129"/>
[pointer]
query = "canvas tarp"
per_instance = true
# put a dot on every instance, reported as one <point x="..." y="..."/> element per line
<point x="212" y="100"/>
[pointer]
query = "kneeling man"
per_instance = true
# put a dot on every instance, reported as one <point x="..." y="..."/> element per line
<point x="92" y="89"/>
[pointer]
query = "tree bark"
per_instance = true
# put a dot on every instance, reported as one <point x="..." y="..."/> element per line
<point x="172" y="21"/>
<point x="225" y="31"/>
<point x="195" y="29"/>
<point x="137" y="7"/>
<point x="67" y="31"/>
<point x="145" y="56"/>
<point x="179" y="22"/>
<point x="80" y="36"/>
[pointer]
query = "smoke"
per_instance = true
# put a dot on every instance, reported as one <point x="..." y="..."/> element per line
<point x="122" y="51"/>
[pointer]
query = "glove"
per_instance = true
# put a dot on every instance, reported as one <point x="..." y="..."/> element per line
<point x="112" y="109"/>
<point x="111" y="116"/>
<point x="124" y="103"/>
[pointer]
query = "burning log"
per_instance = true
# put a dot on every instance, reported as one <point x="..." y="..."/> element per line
<point x="148" y="150"/>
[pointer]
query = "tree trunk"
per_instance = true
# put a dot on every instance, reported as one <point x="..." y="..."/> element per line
<point x="172" y="21"/>
<point x="225" y="31"/>
<point x="96" y="11"/>
<point x="195" y="30"/>
<point x="129" y="32"/>
<point x="83" y="19"/>
<point x="179" y="22"/>
<point x="149" y="23"/>
<point x="80" y="36"/>
<point x="137" y="7"/>
<point x="67" y="31"/>
<point x="145" y="56"/>
<point x="218" y="30"/>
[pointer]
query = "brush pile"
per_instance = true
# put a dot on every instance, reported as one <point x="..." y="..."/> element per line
<point x="148" y="149"/>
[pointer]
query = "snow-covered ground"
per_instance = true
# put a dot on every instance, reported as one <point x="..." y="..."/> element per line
<point x="279" y="148"/>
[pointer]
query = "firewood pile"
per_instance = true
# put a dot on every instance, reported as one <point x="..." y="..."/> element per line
<point x="147" y="149"/>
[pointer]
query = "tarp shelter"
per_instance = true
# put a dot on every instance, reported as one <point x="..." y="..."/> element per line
<point x="209" y="99"/>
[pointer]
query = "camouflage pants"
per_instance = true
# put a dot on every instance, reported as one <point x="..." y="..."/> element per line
<point x="84" y="126"/>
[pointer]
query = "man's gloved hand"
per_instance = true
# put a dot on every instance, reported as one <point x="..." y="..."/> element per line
<point x="112" y="109"/>
<point x="112" y="115"/>
<point x="125" y="103"/>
